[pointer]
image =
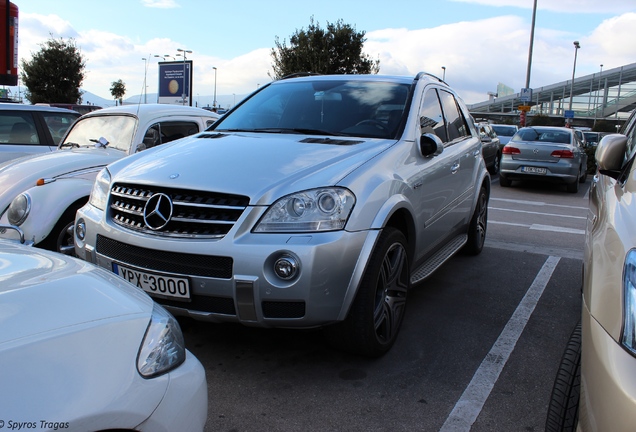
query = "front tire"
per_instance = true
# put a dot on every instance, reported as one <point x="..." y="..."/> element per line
<point x="60" y="239"/>
<point x="375" y="317"/>
<point x="563" y="409"/>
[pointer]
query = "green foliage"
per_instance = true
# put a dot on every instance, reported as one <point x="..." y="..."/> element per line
<point x="334" y="50"/>
<point x="55" y="73"/>
<point x="118" y="90"/>
<point x="603" y="126"/>
<point x="540" y="120"/>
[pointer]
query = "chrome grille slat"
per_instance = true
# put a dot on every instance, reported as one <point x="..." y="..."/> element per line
<point x="196" y="214"/>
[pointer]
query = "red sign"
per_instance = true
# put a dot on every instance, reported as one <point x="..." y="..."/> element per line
<point x="8" y="43"/>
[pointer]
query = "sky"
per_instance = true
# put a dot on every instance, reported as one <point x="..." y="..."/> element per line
<point x="481" y="43"/>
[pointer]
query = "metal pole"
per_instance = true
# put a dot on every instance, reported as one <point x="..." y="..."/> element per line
<point x="576" y="50"/>
<point x="534" y="15"/>
<point x="214" y="102"/>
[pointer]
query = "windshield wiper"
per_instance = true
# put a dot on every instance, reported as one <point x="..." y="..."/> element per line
<point x="69" y="144"/>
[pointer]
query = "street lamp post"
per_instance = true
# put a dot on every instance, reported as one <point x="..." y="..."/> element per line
<point x="145" y="92"/>
<point x="214" y="102"/>
<point x="576" y="50"/>
<point x="443" y="73"/>
<point x="185" y="52"/>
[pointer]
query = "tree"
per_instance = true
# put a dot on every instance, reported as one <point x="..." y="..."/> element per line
<point x="334" y="50"/>
<point x="118" y="90"/>
<point x="55" y="73"/>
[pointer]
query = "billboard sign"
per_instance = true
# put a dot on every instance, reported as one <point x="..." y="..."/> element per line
<point x="175" y="80"/>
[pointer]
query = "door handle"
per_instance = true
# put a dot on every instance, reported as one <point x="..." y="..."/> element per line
<point x="455" y="168"/>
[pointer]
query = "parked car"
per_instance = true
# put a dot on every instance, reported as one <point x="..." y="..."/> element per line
<point x="593" y="138"/>
<point x="505" y="132"/>
<point x="41" y="193"/>
<point x="82" y="350"/>
<point x="317" y="201"/>
<point x="544" y="153"/>
<point x="491" y="148"/>
<point x="595" y="388"/>
<point x="31" y="129"/>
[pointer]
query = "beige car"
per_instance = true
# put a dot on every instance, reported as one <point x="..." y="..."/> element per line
<point x="595" y="389"/>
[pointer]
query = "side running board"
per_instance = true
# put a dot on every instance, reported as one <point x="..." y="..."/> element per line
<point x="439" y="258"/>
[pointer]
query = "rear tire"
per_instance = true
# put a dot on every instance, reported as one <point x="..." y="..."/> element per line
<point x="375" y="317"/>
<point x="563" y="409"/>
<point x="478" y="225"/>
<point x="573" y="187"/>
<point x="504" y="182"/>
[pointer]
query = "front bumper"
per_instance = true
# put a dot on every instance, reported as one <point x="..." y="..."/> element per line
<point x="331" y="265"/>
<point x="184" y="406"/>
<point x="608" y="381"/>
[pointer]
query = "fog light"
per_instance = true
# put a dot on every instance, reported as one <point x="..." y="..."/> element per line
<point x="80" y="229"/>
<point x="286" y="267"/>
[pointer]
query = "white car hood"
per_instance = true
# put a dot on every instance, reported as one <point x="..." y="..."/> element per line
<point x="261" y="166"/>
<point x="33" y="280"/>
<point x="20" y="174"/>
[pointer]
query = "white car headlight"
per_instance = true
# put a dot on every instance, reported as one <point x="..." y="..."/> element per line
<point x="163" y="347"/>
<point x="99" y="194"/>
<point x="629" y="295"/>
<point x="325" y="209"/>
<point x="19" y="209"/>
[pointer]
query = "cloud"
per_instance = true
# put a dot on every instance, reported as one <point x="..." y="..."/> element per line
<point x="474" y="69"/>
<point x="580" y="6"/>
<point x="160" y="4"/>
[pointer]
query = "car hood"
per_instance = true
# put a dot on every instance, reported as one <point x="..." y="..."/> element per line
<point x="20" y="174"/>
<point x="263" y="167"/>
<point x="42" y="292"/>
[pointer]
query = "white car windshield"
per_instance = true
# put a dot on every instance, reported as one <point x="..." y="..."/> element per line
<point x="118" y="130"/>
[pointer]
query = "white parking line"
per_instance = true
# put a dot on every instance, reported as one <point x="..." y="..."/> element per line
<point x="474" y="397"/>
<point x="537" y="213"/>
<point x="540" y="227"/>
<point x="537" y="203"/>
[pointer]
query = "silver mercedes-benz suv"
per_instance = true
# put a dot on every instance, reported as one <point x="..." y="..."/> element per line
<point x="316" y="202"/>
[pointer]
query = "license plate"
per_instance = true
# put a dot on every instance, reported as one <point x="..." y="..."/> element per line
<point x="155" y="284"/>
<point x="533" y="170"/>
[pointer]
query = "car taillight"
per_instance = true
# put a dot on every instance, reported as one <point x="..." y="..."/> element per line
<point x="563" y="154"/>
<point x="509" y="150"/>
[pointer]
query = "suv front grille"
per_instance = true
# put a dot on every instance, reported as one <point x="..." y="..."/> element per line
<point x="166" y="261"/>
<point x="194" y="213"/>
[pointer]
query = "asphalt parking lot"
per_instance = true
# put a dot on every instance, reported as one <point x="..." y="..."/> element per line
<point x="478" y="350"/>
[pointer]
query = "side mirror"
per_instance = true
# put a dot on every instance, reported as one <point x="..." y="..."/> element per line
<point x="430" y="145"/>
<point x="609" y="154"/>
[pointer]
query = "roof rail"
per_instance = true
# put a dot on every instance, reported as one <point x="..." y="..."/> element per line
<point x="300" y="74"/>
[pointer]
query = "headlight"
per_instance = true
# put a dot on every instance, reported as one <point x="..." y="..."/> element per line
<point x="163" y="347"/>
<point x="311" y="211"/>
<point x="99" y="194"/>
<point x="19" y="209"/>
<point x="629" y="294"/>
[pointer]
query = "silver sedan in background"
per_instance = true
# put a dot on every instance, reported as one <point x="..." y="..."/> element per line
<point x="544" y="153"/>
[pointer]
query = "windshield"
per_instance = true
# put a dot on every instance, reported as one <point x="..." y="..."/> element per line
<point x="334" y="107"/>
<point x="543" y="135"/>
<point x="117" y="129"/>
<point x="504" y="130"/>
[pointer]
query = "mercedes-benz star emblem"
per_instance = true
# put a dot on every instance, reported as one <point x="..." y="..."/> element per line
<point x="158" y="211"/>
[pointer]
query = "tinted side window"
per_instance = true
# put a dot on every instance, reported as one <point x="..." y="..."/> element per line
<point x="18" y="128"/>
<point x="58" y="124"/>
<point x="431" y="117"/>
<point x="163" y="132"/>
<point x="456" y="123"/>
